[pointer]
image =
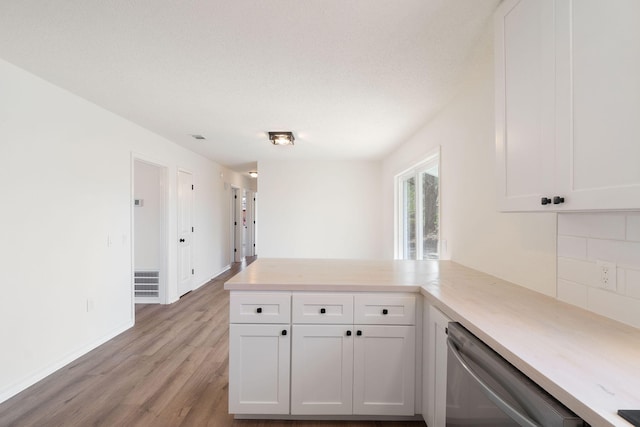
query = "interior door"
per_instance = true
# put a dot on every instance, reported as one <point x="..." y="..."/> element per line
<point x="185" y="232"/>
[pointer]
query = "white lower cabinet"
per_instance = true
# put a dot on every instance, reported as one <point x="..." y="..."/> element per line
<point x="434" y="381"/>
<point x="329" y="369"/>
<point x="322" y="369"/>
<point x="384" y="370"/>
<point x="259" y="369"/>
<point x="347" y="369"/>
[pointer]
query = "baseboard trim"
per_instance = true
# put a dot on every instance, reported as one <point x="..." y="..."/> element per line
<point x="225" y="269"/>
<point x="30" y="380"/>
<point x="416" y="417"/>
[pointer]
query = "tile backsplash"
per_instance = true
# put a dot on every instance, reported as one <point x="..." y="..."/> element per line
<point x="583" y="240"/>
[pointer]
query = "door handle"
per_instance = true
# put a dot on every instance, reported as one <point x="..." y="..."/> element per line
<point x="181" y="240"/>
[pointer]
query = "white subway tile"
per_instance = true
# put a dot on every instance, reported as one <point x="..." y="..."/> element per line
<point x="573" y="224"/>
<point x="614" y="306"/>
<point x="632" y="283"/>
<point x="608" y="226"/>
<point x="572" y="293"/>
<point x="572" y="247"/>
<point x="633" y="227"/>
<point x="577" y="271"/>
<point x="621" y="281"/>
<point x="625" y="254"/>
<point x="595" y="225"/>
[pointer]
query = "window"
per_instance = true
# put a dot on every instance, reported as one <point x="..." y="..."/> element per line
<point x="418" y="211"/>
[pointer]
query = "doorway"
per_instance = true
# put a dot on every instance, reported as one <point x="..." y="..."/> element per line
<point x="149" y="198"/>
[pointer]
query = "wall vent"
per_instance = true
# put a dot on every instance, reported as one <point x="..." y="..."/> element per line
<point x="146" y="284"/>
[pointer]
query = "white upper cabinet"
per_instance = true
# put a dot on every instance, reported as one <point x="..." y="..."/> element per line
<point x="567" y="105"/>
<point x="525" y="134"/>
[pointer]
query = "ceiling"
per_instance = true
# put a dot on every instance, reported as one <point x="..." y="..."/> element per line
<point x="351" y="78"/>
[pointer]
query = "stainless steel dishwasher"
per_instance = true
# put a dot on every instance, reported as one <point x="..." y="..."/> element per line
<point x="483" y="389"/>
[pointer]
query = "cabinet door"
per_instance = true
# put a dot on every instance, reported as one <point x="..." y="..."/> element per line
<point x="598" y="104"/>
<point x="259" y="369"/>
<point x="435" y="371"/>
<point x="525" y="97"/>
<point x="384" y="370"/>
<point x="322" y="370"/>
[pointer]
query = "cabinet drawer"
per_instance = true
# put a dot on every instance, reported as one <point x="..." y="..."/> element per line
<point x="322" y="308"/>
<point x="381" y="309"/>
<point x="260" y="307"/>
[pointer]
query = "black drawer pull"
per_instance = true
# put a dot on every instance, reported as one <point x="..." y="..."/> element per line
<point x="545" y="201"/>
<point x="259" y="310"/>
<point x="323" y="310"/>
<point x="284" y="332"/>
<point x="557" y="200"/>
<point x="348" y="333"/>
<point x="385" y="311"/>
<point x="359" y="333"/>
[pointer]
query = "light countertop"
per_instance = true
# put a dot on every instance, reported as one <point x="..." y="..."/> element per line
<point x="588" y="362"/>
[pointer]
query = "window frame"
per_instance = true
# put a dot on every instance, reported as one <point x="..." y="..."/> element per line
<point x="415" y="171"/>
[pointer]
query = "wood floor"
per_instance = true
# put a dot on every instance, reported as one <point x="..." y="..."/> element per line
<point x="170" y="369"/>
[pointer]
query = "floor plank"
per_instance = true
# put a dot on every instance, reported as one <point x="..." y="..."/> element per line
<point x="170" y="369"/>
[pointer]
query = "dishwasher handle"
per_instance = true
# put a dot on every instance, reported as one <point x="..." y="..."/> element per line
<point x="516" y="415"/>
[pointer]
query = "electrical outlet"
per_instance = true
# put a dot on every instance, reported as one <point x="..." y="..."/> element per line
<point x="607" y="272"/>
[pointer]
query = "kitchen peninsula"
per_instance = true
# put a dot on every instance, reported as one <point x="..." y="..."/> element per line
<point x="588" y="362"/>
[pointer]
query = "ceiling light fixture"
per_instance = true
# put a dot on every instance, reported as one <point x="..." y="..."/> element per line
<point x="198" y="137"/>
<point x="281" y="138"/>
<point x="253" y="174"/>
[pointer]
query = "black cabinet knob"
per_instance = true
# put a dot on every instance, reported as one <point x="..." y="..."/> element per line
<point x="348" y="333"/>
<point x="284" y="332"/>
<point x="259" y="310"/>
<point x="181" y="240"/>
<point x="323" y="310"/>
<point x="545" y="201"/>
<point x="557" y="200"/>
<point x="359" y="333"/>
<point x="385" y="311"/>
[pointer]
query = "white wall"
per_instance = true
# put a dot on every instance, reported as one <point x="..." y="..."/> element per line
<point x="65" y="180"/>
<point x="319" y="209"/>
<point x="516" y="247"/>
<point x="585" y="238"/>
<point x="147" y="217"/>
